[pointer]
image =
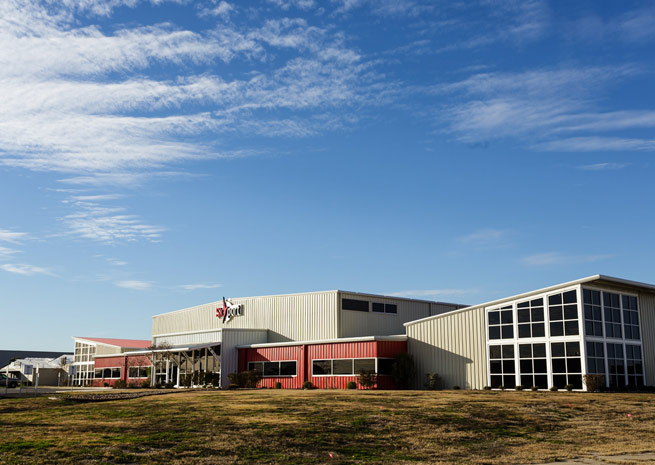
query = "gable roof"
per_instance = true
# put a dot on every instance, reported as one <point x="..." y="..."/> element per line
<point x="124" y="343"/>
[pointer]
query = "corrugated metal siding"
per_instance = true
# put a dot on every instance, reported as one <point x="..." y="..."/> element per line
<point x="354" y="324"/>
<point x="319" y="352"/>
<point x="647" y="315"/>
<point x="275" y="354"/>
<point x="288" y="317"/>
<point x="189" y="339"/>
<point x="452" y="346"/>
<point x="229" y="353"/>
<point x="102" y="349"/>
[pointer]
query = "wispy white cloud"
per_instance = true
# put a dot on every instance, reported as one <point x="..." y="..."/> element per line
<point x="288" y="4"/>
<point x="218" y="8"/>
<point x="135" y="285"/>
<point x="11" y="236"/>
<point x="603" y="166"/>
<point x="63" y="112"/>
<point x="557" y="258"/>
<point x="6" y="252"/>
<point x="546" y="109"/>
<point x="486" y="236"/>
<point x="193" y="287"/>
<point x="632" y="26"/>
<point x="25" y="270"/>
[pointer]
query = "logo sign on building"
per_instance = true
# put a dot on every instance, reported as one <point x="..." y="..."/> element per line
<point x="228" y="310"/>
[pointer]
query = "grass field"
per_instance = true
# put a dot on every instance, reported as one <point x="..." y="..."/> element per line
<point x="337" y="427"/>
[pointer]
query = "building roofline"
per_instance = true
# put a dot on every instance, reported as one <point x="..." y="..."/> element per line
<point x="597" y="277"/>
<point x="336" y="291"/>
<point x="398" y="337"/>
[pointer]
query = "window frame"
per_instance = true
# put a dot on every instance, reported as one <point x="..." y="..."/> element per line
<point x="279" y="367"/>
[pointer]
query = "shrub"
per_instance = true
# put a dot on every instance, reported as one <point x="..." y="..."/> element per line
<point x="403" y="370"/>
<point x="145" y="384"/>
<point x="456" y="388"/>
<point x="554" y="388"/>
<point x="367" y="379"/>
<point x="535" y="388"/>
<point x="432" y="381"/>
<point x="245" y="379"/>
<point x="569" y="387"/>
<point x="278" y="385"/>
<point x="105" y="384"/>
<point x="487" y="388"/>
<point x="120" y="384"/>
<point x="169" y="385"/>
<point x="594" y="383"/>
<point x="307" y="385"/>
<point x="519" y="387"/>
<point x="132" y="385"/>
<point x="351" y="385"/>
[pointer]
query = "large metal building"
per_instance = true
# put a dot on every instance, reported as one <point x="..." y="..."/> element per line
<point x="544" y="338"/>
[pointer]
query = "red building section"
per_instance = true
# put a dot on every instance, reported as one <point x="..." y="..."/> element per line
<point x="121" y="367"/>
<point x="324" y="364"/>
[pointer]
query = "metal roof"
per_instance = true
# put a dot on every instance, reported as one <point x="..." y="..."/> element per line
<point x="602" y="279"/>
<point x="124" y="343"/>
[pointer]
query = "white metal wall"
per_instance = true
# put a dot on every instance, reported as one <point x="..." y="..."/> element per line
<point x="647" y="315"/>
<point x="229" y="352"/>
<point x="200" y="337"/>
<point x="294" y="317"/>
<point x="452" y="346"/>
<point x="355" y="324"/>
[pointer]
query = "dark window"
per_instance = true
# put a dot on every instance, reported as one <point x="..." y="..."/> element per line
<point x="595" y="358"/>
<point x="563" y="317"/>
<point x="501" y="323"/>
<point x="630" y="317"/>
<point x="502" y="366"/>
<point x="322" y="367"/>
<point x="612" y="310"/>
<point x="566" y="365"/>
<point x="378" y="307"/>
<point x="533" y="365"/>
<point x="367" y="364"/>
<point x="354" y="304"/>
<point x="342" y="367"/>
<point x="391" y="308"/>
<point x="256" y="366"/>
<point x="531" y="318"/>
<point x="592" y="313"/>
<point x="616" y="365"/>
<point x="287" y="368"/>
<point x="271" y="368"/>
<point x="385" y="366"/>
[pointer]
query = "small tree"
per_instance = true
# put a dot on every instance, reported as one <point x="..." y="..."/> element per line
<point x="432" y="381"/>
<point x="594" y="383"/>
<point x="403" y="370"/>
<point x="367" y="379"/>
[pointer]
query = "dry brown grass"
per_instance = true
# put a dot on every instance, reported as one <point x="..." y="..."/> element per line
<point x="345" y="427"/>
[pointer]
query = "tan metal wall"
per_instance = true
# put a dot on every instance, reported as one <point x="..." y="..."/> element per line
<point x="229" y="353"/>
<point x="647" y="315"/>
<point x="453" y="346"/>
<point x="354" y="324"/>
<point x="298" y="317"/>
<point x="102" y="349"/>
<point x="439" y="308"/>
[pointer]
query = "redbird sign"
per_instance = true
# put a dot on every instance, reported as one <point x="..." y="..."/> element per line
<point x="228" y="310"/>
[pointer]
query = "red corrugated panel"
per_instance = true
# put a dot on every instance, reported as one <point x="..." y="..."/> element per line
<point x="368" y="349"/>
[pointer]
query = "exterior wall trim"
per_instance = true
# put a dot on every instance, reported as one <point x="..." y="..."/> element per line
<point x="399" y="338"/>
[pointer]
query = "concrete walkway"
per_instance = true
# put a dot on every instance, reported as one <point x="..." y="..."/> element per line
<point x="624" y="459"/>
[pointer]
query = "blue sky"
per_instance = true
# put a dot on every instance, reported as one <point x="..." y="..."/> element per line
<point x="158" y="155"/>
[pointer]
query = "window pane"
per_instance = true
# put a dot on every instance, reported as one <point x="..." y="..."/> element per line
<point x="506" y="316"/>
<point x="322" y="367"/>
<point x="541" y="366"/>
<point x="537" y="314"/>
<point x="539" y="350"/>
<point x="508" y="331"/>
<point x="541" y="381"/>
<point x="555" y="299"/>
<point x="526" y="366"/>
<point x="367" y="364"/>
<point x="559" y="365"/>
<point x="570" y="312"/>
<point x="385" y="366"/>
<point x="496" y="367"/>
<point x="508" y="351"/>
<point x="354" y="304"/>
<point x="271" y="368"/>
<point x="494" y="352"/>
<point x="508" y="366"/>
<point x="573" y="365"/>
<point x="523" y="316"/>
<point x="570" y="298"/>
<point x="557" y="349"/>
<point x="571" y="328"/>
<point x="525" y="350"/>
<point x="556" y="329"/>
<point x="494" y="332"/>
<point x="288" y="368"/>
<point x="524" y="330"/>
<point x="555" y="313"/>
<point x="538" y="330"/>
<point x="391" y="308"/>
<point x="378" y="307"/>
<point x="342" y="367"/>
<point x="572" y="349"/>
<point x="494" y="318"/>
<point x="257" y="366"/>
